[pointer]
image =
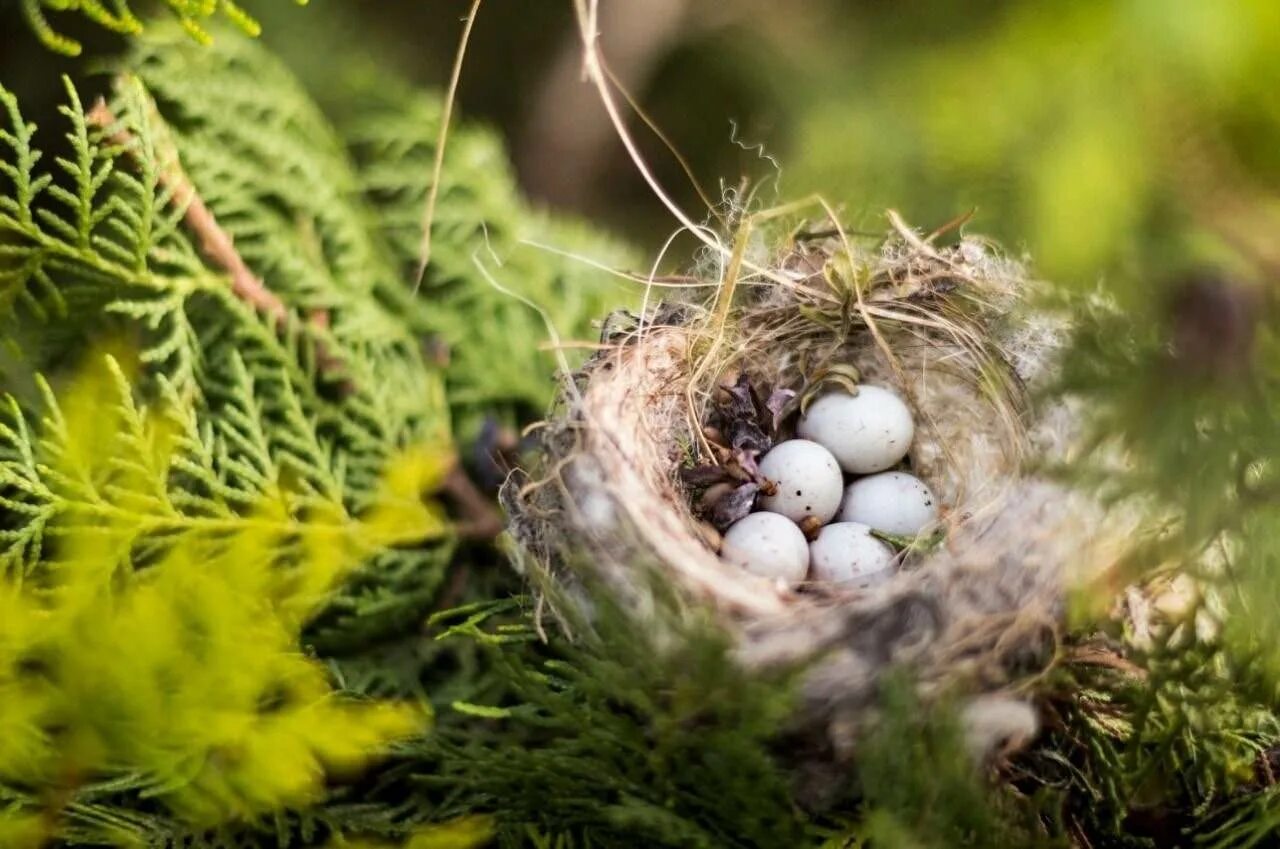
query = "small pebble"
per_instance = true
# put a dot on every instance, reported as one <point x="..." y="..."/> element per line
<point x="846" y="554"/>
<point x="868" y="432"/>
<point x="893" y="502"/>
<point x="808" y="481"/>
<point x="769" y="545"/>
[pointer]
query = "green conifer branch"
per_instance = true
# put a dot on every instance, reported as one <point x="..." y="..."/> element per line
<point x="480" y="219"/>
<point x="193" y="17"/>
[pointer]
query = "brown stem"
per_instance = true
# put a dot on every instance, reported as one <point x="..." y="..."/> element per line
<point x="442" y="138"/>
<point x="456" y="588"/>
<point x="481" y="520"/>
<point x="569" y="137"/>
<point x="215" y="243"/>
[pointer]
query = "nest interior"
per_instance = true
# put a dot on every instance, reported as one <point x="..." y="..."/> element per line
<point x="949" y="328"/>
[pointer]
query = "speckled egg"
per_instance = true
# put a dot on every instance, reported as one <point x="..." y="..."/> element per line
<point x="808" y="481"/>
<point x="846" y="554"/>
<point x="867" y="432"/>
<point x="894" y="502"/>
<point x="769" y="545"/>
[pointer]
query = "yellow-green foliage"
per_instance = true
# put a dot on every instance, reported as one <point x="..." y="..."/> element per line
<point x="97" y="243"/>
<point x="149" y="624"/>
<point x="193" y="15"/>
<point x="21" y="829"/>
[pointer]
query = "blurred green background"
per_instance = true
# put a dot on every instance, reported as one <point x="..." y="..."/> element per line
<point x="1118" y="139"/>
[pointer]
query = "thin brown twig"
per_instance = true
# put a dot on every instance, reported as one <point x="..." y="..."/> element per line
<point x="588" y="15"/>
<point x="481" y="520"/>
<point x="959" y="221"/>
<point x="215" y="243"/>
<point x="455" y="589"/>
<point x="666" y="141"/>
<point x="433" y="191"/>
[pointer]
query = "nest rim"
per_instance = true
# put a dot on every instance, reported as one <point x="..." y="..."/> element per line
<point x="913" y="285"/>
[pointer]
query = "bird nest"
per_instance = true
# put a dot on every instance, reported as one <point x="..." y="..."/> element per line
<point x="655" y="437"/>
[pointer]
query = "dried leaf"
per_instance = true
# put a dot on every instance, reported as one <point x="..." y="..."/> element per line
<point x="777" y="407"/>
<point x="746" y="461"/>
<point x="742" y="421"/>
<point x="733" y="506"/>
<point x="697" y="477"/>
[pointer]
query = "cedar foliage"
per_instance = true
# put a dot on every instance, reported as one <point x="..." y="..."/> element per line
<point x="484" y="233"/>
<point x="224" y="481"/>
<point x="613" y="740"/>
<point x="112" y="253"/>
<point x="220" y="494"/>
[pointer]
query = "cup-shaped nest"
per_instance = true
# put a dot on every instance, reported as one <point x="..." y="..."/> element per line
<point x="646" y="431"/>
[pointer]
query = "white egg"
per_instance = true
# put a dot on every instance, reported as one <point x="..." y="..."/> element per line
<point x="846" y="554"/>
<point x="894" y="502"/>
<point x="768" y="545"/>
<point x="867" y="432"/>
<point x="808" y="481"/>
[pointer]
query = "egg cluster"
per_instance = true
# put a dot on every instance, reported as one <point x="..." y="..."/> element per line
<point x="862" y="435"/>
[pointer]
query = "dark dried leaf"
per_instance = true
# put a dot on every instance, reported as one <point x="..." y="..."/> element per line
<point x="712" y="495"/>
<point x="742" y="403"/>
<point x="733" y="506"/>
<point x="745" y="460"/>
<point x="698" y="477"/>
<point x="777" y="406"/>
<point x="742" y="421"/>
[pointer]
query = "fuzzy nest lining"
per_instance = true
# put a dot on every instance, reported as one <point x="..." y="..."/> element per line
<point x="948" y="329"/>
